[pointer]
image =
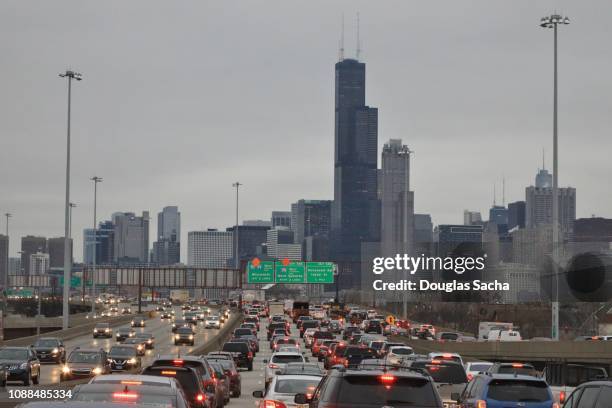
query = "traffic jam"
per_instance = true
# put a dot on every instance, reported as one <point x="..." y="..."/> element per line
<point x="286" y="354"/>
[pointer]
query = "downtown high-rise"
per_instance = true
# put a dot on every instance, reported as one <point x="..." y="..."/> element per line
<point x="356" y="209"/>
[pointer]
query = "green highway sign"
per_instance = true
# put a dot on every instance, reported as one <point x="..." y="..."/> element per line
<point x="290" y="272"/>
<point x="260" y="271"/>
<point x="20" y="292"/>
<point x="320" y="272"/>
<point x="75" y="282"/>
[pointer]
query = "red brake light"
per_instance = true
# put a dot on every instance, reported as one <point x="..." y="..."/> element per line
<point x="387" y="378"/>
<point x="200" y="397"/>
<point x="272" y="404"/>
<point x="446" y="355"/>
<point x="125" y="395"/>
<point x="272" y="366"/>
<point x="517" y="365"/>
<point x="250" y="355"/>
<point x="177" y="362"/>
<point x="562" y="397"/>
<point x="436" y="362"/>
<point x="470" y="376"/>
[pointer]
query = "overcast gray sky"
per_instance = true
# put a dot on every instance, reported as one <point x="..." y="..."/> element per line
<point x="182" y="98"/>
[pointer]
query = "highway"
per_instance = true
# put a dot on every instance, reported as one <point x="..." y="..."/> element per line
<point x="50" y="372"/>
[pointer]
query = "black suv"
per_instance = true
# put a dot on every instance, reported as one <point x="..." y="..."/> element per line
<point x="103" y="330"/>
<point x="243" y="356"/>
<point x="123" y="358"/>
<point x="374" y="326"/>
<point x="21" y="364"/>
<point x="591" y="394"/>
<point x="138" y="322"/>
<point x="275" y="325"/>
<point x="124" y="333"/>
<point x="50" y="349"/>
<point x="373" y="388"/>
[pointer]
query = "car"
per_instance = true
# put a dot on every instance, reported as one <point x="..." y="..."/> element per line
<point x="179" y="323"/>
<point x="84" y="362"/>
<point x="199" y="393"/>
<point x="473" y="368"/>
<point x="212" y="322"/>
<point x="251" y="326"/>
<point x="222" y="383"/>
<point x="21" y="364"/>
<point x="191" y="317"/>
<point x="590" y="394"/>
<point x="279" y="341"/>
<point x="50" y="349"/>
<point x="148" y="338"/>
<point x="134" y="394"/>
<point x="448" y="336"/>
<point x="184" y="335"/>
<point x="514" y="368"/>
<point x="449" y="376"/>
<point x="165" y="315"/>
<point x="135" y="380"/>
<point x="124" y="333"/>
<point x="284" y="388"/>
<point x="251" y="342"/>
<point x="372" y="388"/>
<point x="397" y="354"/>
<point x="241" y="352"/>
<point x="254" y="320"/>
<point x="273" y="326"/>
<point x="126" y="310"/>
<point x="373" y="326"/>
<point x="102" y="330"/>
<point x="202" y="367"/>
<point x="308" y="336"/>
<point x="511" y="391"/>
<point x="385" y="348"/>
<point x="278" y="361"/>
<point x="124" y="357"/>
<point x="309" y="324"/>
<point x="138" y="343"/>
<point x="73" y="404"/>
<point x="301" y="369"/>
<point x="348" y="332"/>
<point x="138" y="322"/>
<point x="235" y="380"/>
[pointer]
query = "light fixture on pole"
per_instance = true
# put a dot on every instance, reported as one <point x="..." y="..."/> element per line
<point x="553" y="21"/>
<point x="96" y="180"/>
<point x="67" y="250"/>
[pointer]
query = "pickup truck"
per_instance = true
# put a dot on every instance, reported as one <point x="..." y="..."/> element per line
<point x="564" y="377"/>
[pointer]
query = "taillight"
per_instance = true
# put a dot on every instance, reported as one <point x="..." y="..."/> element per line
<point x="272" y="366"/>
<point x="250" y="355"/>
<point x="271" y="404"/>
<point x="125" y="395"/>
<point x="200" y="398"/>
<point x="470" y="376"/>
<point x="481" y="404"/>
<point x="387" y="378"/>
<point x="562" y="397"/>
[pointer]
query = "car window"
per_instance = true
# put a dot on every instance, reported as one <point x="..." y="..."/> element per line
<point x="605" y="397"/>
<point x="14" y="354"/>
<point x="236" y="347"/>
<point x="287" y="359"/>
<point x="588" y="397"/>
<point x="448" y="374"/>
<point x="294" y="386"/>
<point x="84" y="357"/>
<point x="390" y="392"/>
<point x="518" y="391"/>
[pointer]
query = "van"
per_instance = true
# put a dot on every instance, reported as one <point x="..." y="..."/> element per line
<point x="504" y="335"/>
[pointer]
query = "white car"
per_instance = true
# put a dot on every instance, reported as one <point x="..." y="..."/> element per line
<point x="446" y="356"/>
<point x="308" y="336"/>
<point x="279" y="361"/>
<point x="397" y="354"/>
<point x="283" y="388"/>
<point x="212" y="322"/>
<point x="474" y="367"/>
<point x="288" y="348"/>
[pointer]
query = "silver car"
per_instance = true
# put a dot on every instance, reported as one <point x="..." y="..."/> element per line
<point x="283" y="388"/>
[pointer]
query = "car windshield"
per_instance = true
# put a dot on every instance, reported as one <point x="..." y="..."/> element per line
<point x="226" y="364"/>
<point x="122" y="351"/>
<point x="284" y="359"/>
<point x="84" y="357"/>
<point x="377" y="345"/>
<point x="517" y="369"/>
<point x="13" y="354"/>
<point x="479" y="367"/>
<point x="102" y="326"/>
<point x="296" y="386"/>
<point x="518" y="391"/>
<point x="393" y="391"/>
<point x="446" y="374"/>
<point x="236" y="347"/>
<point x="293" y="368"/>
<point x="127" y="397"/>
<point x="184" y="330"/>
<point x="402" y="351"/>
<point x="46" y="343"/>
<point x="449" y="336"/>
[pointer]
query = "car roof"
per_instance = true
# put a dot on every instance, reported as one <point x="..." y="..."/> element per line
<point x="287" y="353"/>
<point x="518" y="377"/>
<point x="109" y="388"/>
<point x="297" y="377"/>
<point x="132" y="377"/>
<point x="74" y="404"/>
<point x="88" y="350"/>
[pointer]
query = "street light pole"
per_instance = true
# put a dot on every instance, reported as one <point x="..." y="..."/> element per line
<point x="236" y="254"/>
<point x="553" y="21"/>
<point x="96" y="180"/>
<point x="72" y="205"/>
<point x="7" y="215"/>
<point x="67" y="253"/>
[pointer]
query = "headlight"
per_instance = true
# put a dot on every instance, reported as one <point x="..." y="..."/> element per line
<point x="55" y="351"/>
<point x="132" y="360"/>
<point x="173" y="324"/>
<point x="131" y="334"/>
<point x="177" y="337"/>
<point x="149" y="341"/>
<point x="65" y="369"/>
<point x="23" y="366"/>
<point x="106" y="330"/>
<point x="132" y="322"/>
<point x="191" y="337"/>
<point x="139" y="347"/>
<point x="97" y="371"/>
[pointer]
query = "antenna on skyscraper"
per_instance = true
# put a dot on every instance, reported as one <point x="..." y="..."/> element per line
<point x="503" y="191"/>
<point x="358" y="51"/>
<point x="494" y="196"/>
<point x="341" y="50"/>
<point x="543" y="159"/>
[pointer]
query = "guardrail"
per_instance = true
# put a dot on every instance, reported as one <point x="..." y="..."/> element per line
<point x="217" y="342"/>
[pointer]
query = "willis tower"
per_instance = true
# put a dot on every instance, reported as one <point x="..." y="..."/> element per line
<point x="356" y="209"/>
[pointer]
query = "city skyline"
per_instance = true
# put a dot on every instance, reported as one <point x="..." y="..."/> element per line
<point x="204" y="193"/>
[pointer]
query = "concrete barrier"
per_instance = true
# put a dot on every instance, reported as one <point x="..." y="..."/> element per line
<point x="216" y="343"/>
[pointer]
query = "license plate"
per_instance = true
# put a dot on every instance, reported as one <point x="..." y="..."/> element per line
<point x="119" y="367"/>
<point x="301" y="406"/>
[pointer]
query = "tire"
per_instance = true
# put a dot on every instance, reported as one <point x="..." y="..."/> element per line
<point x="250" y="367"/>
<point x="36" y="380"/>
<point x="28" y="379"/>
<point x="237" y="394"/>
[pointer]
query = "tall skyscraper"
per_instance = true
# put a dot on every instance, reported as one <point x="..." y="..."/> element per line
<point x="472" y="217"/>
<point x="131" y="238"/>
<point x="39" y="264"/>
<point x="249" y="238"/>
<point x="4" y="259"/>
<point x="498" y="214"/>
<point x="311" y="217"/>
<point x="169" y="224"/>
<point x="538" y="208"/>
<point x="280" y="244"/>
<point x="15" y="266"/>
<point x="397" y="201"/>
<point x="516" y="214"/>
<point x="56" y="254"/>
<point x="167" y="248"/>
<point x="105" y="235"/>
<point x="543" y="179"/>
<point x="210" y="248"/>
<point x="356" y="209"/>
<point x="31" y="245"/>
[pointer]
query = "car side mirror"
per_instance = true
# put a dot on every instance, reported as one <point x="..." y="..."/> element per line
<point x="301" y="399"/>
<point x="455" y="396"/>
<point x="258" y="394"/>
<point x="265" y="361"/>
